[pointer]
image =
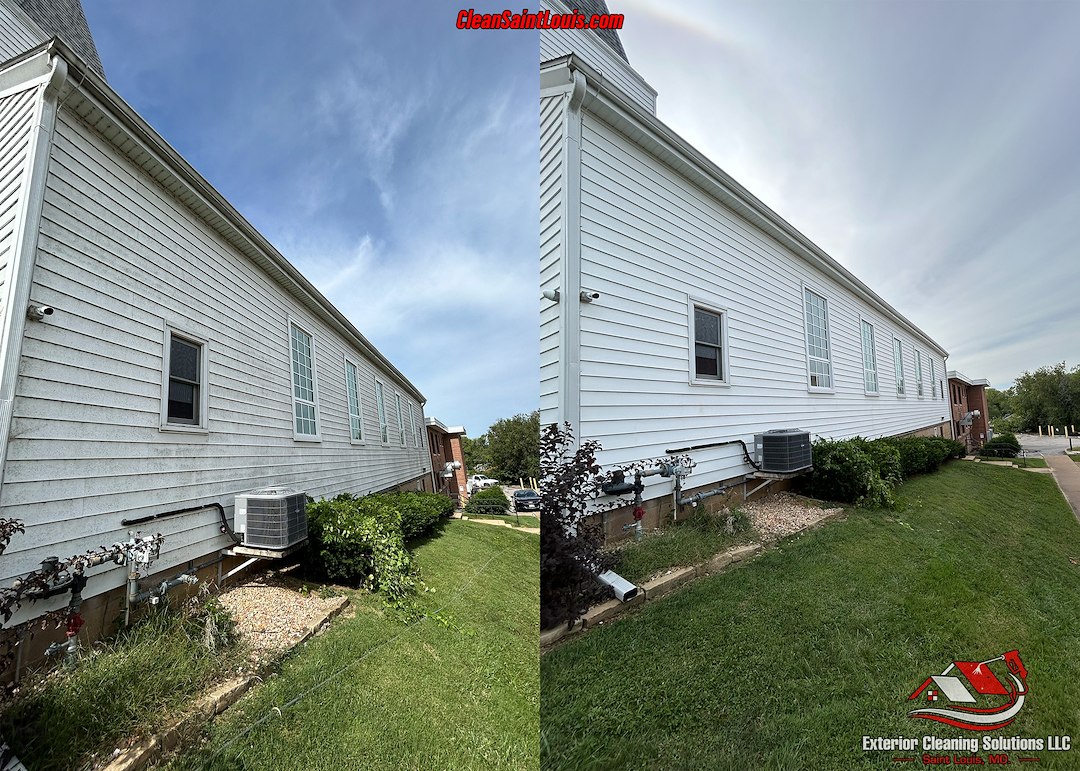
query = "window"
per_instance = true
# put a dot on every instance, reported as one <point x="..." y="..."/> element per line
<point x="918" y="371"/>
<point x="869" y="358"/>
<point x="306" y="424"/>
<point x="352" y="388"/>
<point x="380" y="404"/>
<point x="400" y="421"/>
<point x="898" y="363"/>
<point x="184" y="383"/>
<point x="933" y="377"/>
<point x="418" y="424"/>
<point x="817" y="340"/>
<point x="709" y="332"/>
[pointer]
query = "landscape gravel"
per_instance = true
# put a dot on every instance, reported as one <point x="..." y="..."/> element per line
<point x="273" y="613"/>
<point x="782" y="514"/>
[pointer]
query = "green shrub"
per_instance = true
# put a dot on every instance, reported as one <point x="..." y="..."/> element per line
<point x="491" y="500"/>
<point x="359" y="541"/>
<point x="844" y="471"/>
<point x="420" y="512"/>
<point x="996" y="449"/>
<point x="1007" y="439"/>
<point x="885" y="457"/>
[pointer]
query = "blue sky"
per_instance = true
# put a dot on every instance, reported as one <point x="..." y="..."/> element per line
<point x="391" y="157"/>
<point x="930" y="147"/>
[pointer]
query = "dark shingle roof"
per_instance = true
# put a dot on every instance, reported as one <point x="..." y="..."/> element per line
<point x="609" y="36"/>
<point x="65" y="19"/>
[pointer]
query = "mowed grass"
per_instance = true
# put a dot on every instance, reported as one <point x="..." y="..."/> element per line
<point x="460" y="690"/>
<point x="690" y="541"/>
<point x="787" y="662"/>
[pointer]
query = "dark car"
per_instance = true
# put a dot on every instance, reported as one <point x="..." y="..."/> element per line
<point x="526" y="500"/>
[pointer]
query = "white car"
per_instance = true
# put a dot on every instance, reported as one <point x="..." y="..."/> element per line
<point x="479" y="482"/>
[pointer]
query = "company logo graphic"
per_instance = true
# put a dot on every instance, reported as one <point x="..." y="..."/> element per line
<point x="996" y="705"/>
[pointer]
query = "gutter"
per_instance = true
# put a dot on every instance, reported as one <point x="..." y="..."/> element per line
<point x="611" y="103"/>
<point x="229" y="223"/>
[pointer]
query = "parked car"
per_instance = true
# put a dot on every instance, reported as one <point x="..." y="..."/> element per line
<point x="479" y="482"/>
<point x="526" y="500"/>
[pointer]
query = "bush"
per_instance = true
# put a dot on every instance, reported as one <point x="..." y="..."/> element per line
<point x="359" y="541"/>
<point x="490" y="500"/>
<point x="420" y="512"/>
<point x="845" y="471"/>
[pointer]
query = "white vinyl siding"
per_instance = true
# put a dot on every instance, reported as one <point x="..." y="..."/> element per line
<point x="817" y="340"/>
<point x="552" y="178"/>
<point x="122" y="259"/>
<point x="16" y="124"/>
<point x="305" y="408"/>
<point x="356" y="414"/>
<point x="918" y="372"/>
<point x="380" y="405"/>
<point x="641" y="218"/>
<point x="870" y="379"/>
<point x="400" y="422"/>
<point x="898" y="365"/>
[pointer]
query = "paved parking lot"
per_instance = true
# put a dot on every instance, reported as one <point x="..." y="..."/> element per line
<point x="1047" y="445"/>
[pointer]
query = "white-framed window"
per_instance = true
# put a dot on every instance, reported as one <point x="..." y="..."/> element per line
<point x="898" y="365"/>
<point x="869" y="358"/>
<point x="400" y="420"/>
<point x="933" y="376"/>
<point x="708" y="344"/>
<point x="356" y="413"/>
<point x="918" y="372"/>
<point x="305" y="392"/>
<point x="380" y="406"/>
<point x="418" y="426"/>
<point x="184" y="395"/>
<point x="818" y="355"/>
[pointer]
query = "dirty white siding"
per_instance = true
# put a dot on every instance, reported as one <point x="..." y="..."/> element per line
<point x="17" y="32"/>
<point x="120" y="259"/>
<point x="16" y="118"/>
<point x="551" y="234"/>
<point x="597" y="54"/>
<point x="651" y="241"/>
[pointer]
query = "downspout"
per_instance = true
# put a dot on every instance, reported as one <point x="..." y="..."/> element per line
<point x="24" y="256"/>
<point x="570" y="275"/>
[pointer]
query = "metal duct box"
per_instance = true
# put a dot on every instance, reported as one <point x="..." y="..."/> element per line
<point x="783" y="450"/>
<point x="271" y="518"/>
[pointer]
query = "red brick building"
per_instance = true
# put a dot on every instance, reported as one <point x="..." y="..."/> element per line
<point x="969" y="411"/>
<point x="446" y="453"/>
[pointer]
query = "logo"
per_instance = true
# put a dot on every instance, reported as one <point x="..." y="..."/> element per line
<point x="997" y="702"/>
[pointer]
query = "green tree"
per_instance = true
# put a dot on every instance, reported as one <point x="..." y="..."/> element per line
<point x="515" y="447"/>
<point x="477" y="453"/>
<point x="1049" y="395"/>
<point x="999" y="403"/>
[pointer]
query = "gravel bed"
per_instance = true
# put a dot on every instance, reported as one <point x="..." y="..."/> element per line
<point x="783" y="514"/>
<point x="272" y="614"/>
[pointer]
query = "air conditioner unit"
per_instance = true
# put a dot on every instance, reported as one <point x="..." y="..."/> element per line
<point x="783" y="450"/>
<point x="271" y="518"/>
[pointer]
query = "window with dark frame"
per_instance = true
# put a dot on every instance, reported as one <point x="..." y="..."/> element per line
<point x="708" y="348"/>
<point x="185" y="381"/>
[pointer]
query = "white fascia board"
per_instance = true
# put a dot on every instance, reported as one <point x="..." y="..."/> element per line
<point x="87" y="93"/>
<point x="607" y="103"/>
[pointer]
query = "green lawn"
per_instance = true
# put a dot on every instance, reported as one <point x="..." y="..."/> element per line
<point x="457" y="691"/>
<point x="787" y="662"/>
<point x="690" y="541"/>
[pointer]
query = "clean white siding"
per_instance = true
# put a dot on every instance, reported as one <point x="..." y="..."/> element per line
<point x="650" y="240"/>
<point x="119" y="260"/>
<point x="588" y="47"/>
<point x="552" y="182"/>
<point x="17" y="33"/>
<point x="16" y="118"/>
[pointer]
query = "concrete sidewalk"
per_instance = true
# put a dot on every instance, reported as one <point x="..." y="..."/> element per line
<point x="1067" y="475"/>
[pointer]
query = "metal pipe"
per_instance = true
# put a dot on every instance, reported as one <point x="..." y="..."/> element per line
<point x="697" y="498"/>
<point x="746" y="453"/>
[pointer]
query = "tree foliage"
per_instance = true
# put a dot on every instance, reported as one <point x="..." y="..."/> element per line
<point x="477" y="453"/>
<point x="1048" y="396"/>
<point x="514" y="445"/>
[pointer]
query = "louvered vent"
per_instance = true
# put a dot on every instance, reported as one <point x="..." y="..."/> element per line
<point x="783" y="450"/>
<point x="272" y="518"/>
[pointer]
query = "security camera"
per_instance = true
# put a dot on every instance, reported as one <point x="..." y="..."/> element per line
<point x="620" y="587"/>
<point x="588" y="297"/>
<point x="551" y="294"/>
<point x="39" y="312"/>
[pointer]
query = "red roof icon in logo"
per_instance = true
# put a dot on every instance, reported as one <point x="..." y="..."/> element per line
<point x="993" y="712"/>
